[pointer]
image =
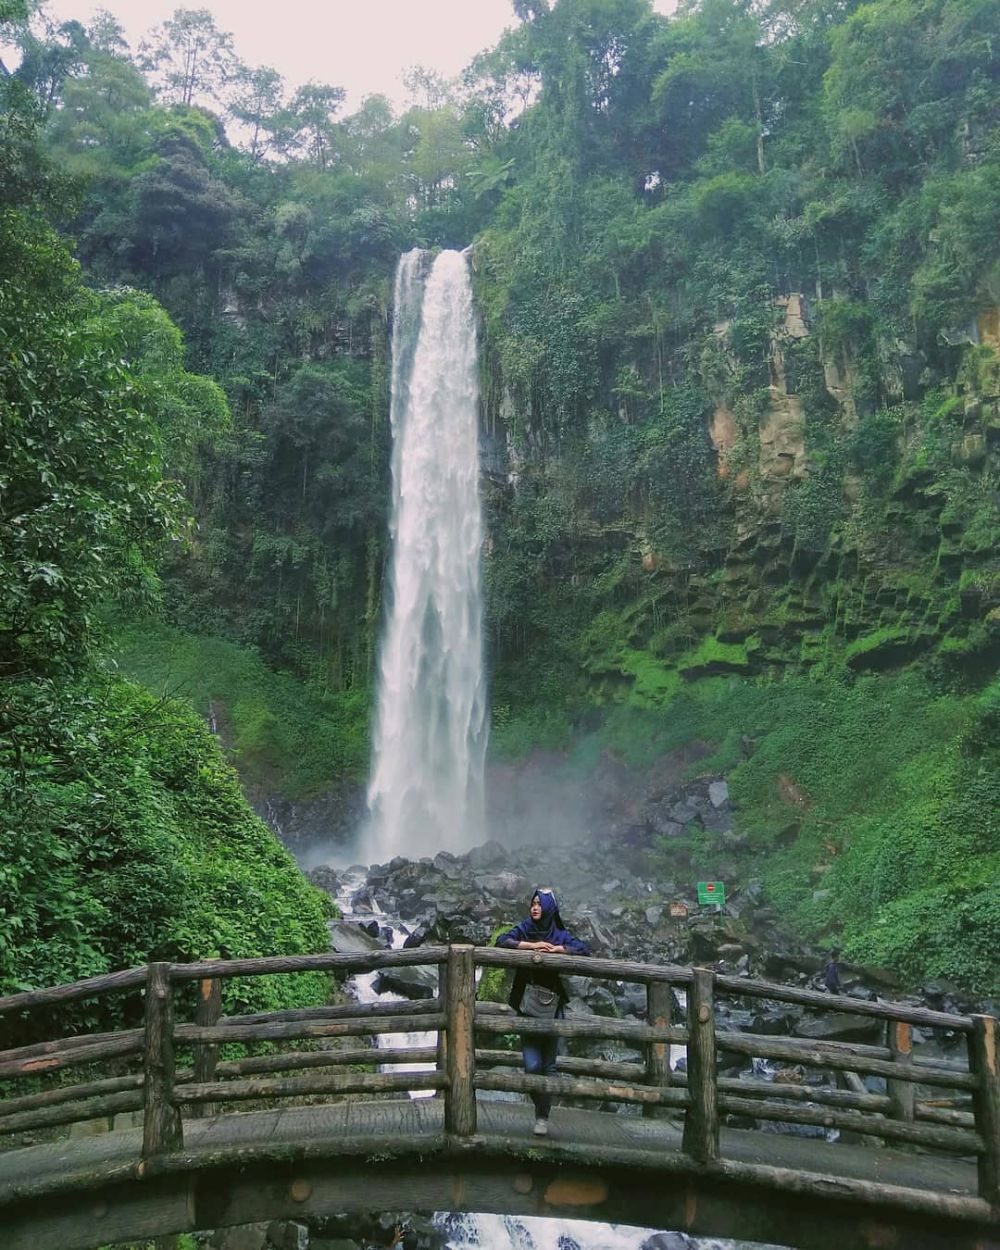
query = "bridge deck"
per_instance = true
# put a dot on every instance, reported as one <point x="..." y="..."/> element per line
<point x="397" y="1127"/>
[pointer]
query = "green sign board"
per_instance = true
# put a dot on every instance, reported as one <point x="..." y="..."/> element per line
<point x="711" y="892"/>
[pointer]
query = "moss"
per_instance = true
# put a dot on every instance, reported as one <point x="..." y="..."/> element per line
<point x="712" y="657"/>
<point x="654" y="683"/>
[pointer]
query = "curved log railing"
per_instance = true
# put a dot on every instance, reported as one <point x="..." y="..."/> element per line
<point x="463" y="1061"/>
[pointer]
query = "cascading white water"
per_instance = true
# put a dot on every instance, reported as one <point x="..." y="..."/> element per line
<point x="426" y="787"/>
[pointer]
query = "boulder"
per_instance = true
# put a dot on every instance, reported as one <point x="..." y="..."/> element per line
<point x="241" y="1237"/>
<point x="416" y="982"/>
<point x="449" y="865"/>
<point x="325" y="878"/>
<point x="718" y="793"/>
<point x="288" y="1235"/>
<point x="347" y="938"/>
<point x="840" y="1026"/>
<point x="489" y="855"/>
<point x="664" y="826"/>
<point x="506" y="885"/>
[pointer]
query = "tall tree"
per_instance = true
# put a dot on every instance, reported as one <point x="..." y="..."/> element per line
<point x="309" y="123"/>
<point x="190" y="59"/>
<point x="256" y="103"/>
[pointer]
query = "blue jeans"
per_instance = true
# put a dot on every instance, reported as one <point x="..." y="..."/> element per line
<point x="540" y="1055"/>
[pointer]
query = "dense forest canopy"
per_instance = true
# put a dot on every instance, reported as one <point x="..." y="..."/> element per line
<point x="739" y="275"/>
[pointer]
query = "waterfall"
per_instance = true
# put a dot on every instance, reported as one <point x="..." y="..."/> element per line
<point x="426" y="787"/>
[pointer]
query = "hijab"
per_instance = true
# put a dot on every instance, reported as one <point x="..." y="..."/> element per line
<point x="544" y="929"/>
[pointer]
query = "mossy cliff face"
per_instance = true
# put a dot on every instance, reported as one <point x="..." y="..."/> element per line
<point x="813" y="601"/>
<point x="841" y="514"/>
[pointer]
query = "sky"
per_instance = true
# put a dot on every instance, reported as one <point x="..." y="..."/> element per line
<point x="363" y="46"/>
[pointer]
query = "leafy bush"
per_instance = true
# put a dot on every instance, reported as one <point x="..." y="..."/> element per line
<point x="285" y="733"/>
<point x="126" y="838"/>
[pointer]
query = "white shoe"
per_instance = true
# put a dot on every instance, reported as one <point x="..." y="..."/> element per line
<point x="541" y="1128"/>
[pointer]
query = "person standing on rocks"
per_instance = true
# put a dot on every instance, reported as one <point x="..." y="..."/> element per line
<point x="540" y="992"/>
<point x="831" y="973"/>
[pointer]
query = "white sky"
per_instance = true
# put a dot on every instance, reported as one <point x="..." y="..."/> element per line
<point x="361" y="45"/>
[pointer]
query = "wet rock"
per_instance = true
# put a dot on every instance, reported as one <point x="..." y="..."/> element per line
<point x="775" y="1020"/>
<point x="718" y="793"/>
<point x="288" y="1235"/>
<point x="665" y="827"/>
<point x="347" y="938"/>
<point x="489" y="855"/>
<point x="668" y="1241"/>
<point x="242" y="1237"/>
<point x="716" y="821"/>
<point x="361" y="900"/>
<point x="513" y="886"/>
<point x="449" y="865"/>
<point x="416" y="982"/>
<point x="601" y="1000"/>
<point x="839" y="1026"/>
<point x="325" y="878"/>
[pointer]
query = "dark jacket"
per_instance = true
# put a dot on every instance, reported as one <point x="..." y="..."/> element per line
<point x="549" y="928"/>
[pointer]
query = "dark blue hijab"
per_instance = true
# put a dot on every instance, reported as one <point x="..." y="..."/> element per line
<point x="542" y="929"/>
<point x="548" y="927"/>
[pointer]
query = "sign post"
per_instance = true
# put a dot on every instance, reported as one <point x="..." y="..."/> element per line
<point x="711" y="892"/>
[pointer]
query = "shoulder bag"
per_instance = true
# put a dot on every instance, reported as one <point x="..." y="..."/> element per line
<point x="539" y="1002"/>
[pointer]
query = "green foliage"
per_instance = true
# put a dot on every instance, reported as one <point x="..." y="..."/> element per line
<point x="494" y="984"/>
<point x="84" y="507"/>
<point x="126" y="838"/>
<point x="889" y="790"/>
<point x="292" y="738"/>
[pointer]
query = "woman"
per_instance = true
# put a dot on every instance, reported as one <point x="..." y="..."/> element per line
<point x="542" y="931"/>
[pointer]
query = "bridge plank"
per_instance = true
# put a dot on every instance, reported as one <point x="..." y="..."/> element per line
<point x="271" y="965"/>
<point x="358" y="1025"/>
<point x="341" y="1011"/>
<point x="308" y="1086"/>
<point x="116" y="1047"/>
<point x="90" y="987"/>
<point x="958" y="1140"/>
<point x="67" y="1093"/>
<point x="842" y="1056"/>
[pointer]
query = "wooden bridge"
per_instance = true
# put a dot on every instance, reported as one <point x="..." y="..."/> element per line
<point x="194" y="1165"/>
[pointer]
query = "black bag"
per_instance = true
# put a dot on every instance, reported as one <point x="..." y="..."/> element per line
<point x="539" y="1002"/>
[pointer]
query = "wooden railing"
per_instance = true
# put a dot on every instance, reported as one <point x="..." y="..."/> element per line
<point x="963" y="1116"/>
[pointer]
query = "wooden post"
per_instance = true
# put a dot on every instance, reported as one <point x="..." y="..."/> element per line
<point x="985" y="1063"/>
<point x="658" y="996"/>
<point x="460" y="1054"/>
<point x="161" y="1129"/>
<point x="902" y="1094"/>
<point x="442" y="1037"/>
<point x="701" y="1121"/>
<point x="206" y="1054"/>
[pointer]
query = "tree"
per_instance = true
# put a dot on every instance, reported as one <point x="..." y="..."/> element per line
<point x="82" y="503"/>
<point x="307" y="126"/>
<point x="190" y="58"/>
<point x="49" y="58"/>
<point x="256" y="103"/>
